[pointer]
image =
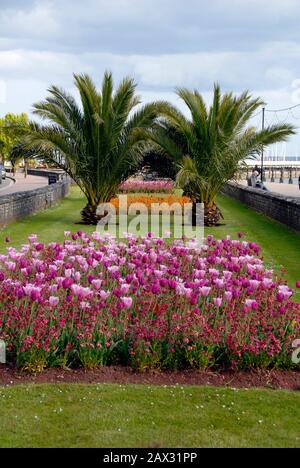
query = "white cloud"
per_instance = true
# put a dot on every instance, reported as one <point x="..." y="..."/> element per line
<point x="38" y="21"/>
<point x="3" y="92"/>
<point x="32" y="64"/>
<point x="235" y="70"/>
<point x="245" y="44"/>
<point x="21" y="94"/>
<point x="184" y="69"/>
<point x="115" y="11"/>
<point x="264" y="69"/>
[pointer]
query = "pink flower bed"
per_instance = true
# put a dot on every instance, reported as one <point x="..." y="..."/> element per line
<point x="143" y="186"/>
<point x="144" y="303"/>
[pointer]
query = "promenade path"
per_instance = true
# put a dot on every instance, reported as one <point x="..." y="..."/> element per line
<point x="22" y="184"/>
<point x="290" y="190"/>
<point x="5" y="184"/>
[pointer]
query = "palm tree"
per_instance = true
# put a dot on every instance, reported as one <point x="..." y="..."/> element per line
<point x="209" y="146"/>
<point x="98" y="144"/>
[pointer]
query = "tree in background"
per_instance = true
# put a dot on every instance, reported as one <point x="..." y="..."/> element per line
<point x="162" y="166"/>
<point x="11" y="127"/>
<point x="20" y="152"/>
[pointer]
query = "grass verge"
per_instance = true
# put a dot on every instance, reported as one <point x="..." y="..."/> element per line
<point x="147" y="416"/>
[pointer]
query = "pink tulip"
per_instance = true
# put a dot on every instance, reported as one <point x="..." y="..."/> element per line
<point x="204" y="291"/>
<point x="127" y="301"/>
<point x="97" y="283"/>
<point x="53" y="301"/>
<point x="217" y="301"/>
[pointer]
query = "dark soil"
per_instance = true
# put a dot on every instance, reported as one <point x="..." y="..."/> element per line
<point x="240" y="379"/>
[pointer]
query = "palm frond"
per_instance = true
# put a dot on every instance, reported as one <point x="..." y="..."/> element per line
<point x="98" y="144"/>
<point x="210" y="146"/>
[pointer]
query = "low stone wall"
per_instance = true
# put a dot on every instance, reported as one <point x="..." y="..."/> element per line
<point x="47" y="172"/>
<point x="284" y="209"/>
<point x="59" y="174"/>
<point x="17" y="205"/>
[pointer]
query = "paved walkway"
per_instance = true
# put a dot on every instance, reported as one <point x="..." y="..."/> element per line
<point x="5" y="184"/>
<point x="22" y="184"/>
<point x="291" y="190"/>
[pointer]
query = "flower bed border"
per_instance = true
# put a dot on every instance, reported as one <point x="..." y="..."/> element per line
<point x="275" y="379"/>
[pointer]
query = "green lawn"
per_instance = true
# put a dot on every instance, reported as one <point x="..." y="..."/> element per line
<point x="281" y="246"/>
<point x="134" y="416"/>
<point x="141" y="416"/>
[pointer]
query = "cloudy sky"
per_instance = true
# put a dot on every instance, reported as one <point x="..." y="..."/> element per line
<point x="242" y="44"/>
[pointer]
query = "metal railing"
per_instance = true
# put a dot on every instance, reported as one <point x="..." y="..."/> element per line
<point x="283" y="174"/>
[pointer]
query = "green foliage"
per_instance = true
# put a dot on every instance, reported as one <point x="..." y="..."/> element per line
<point x="209" y="146"/>
<point x="20" y="152"/>
<point x="66" y="415"/>
<point x="10" y="127"/>
<point x="163" y="167"/>
<point x="98" y="144"/>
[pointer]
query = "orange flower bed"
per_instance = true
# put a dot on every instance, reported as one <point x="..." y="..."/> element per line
<point x="148" y="201"/>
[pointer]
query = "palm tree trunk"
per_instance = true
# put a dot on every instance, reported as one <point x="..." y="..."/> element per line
<point x="89" y="214"/>
<point x="212" y="214"/>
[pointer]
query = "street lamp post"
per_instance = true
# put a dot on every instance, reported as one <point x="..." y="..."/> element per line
<point x="262" y="149"/>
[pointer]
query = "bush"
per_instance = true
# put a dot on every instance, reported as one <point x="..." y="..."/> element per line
<point x="162" y="165"/>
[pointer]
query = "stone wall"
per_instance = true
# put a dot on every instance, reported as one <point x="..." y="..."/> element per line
<point x="47" y="172"/>
<point x="284" y="209"/>
<point x="20" y="204"/>
<point x="58" y="173"/>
